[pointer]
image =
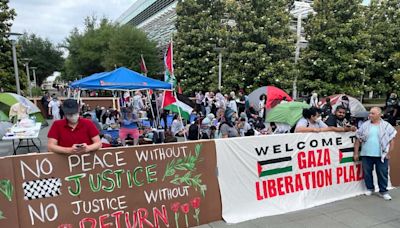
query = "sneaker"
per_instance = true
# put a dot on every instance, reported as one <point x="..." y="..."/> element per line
<point x="368" y="192"/>
<point x="386" y="196"/>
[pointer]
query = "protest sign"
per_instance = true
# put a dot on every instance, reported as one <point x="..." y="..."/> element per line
<point x="8" y="202"/>
<point x="167" y="185"/>
<point x="261" y="176"/>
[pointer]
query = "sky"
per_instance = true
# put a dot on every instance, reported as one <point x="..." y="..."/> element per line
<point x="55" y="19"/>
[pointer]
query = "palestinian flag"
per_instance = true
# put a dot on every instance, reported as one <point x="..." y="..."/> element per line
<point x="346" y="155"/>
<point x="143" y="67"/>
<point x="181" y="103"/>
<point x="274" y="166"/>
<point x="169" y="65"/>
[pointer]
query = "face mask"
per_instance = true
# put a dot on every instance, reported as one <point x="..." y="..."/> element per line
<point x="319" y="118"/>
<point x="233" y="119"/>
<point x="73" y="118"/>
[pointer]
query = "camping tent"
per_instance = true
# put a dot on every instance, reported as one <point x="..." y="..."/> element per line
<point x="356" y="106"/>
<point x="119" y="79"/>
<point x="274" y="96"/>
<point x="8" y="99"/>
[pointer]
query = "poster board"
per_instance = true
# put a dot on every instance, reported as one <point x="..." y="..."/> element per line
<point x="165" y="185"/>
<point x="8" y="199"/>
<point x="283" y="173"/>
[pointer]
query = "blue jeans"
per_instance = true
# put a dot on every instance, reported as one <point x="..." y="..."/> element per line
<point x="381" y="172"/>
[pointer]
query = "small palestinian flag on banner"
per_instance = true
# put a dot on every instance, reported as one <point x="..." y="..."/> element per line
<point x="346" y="155"/>
<point x="181" y="103"/>
<point x="274" y="166"/>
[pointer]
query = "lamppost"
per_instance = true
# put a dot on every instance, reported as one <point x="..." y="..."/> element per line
<point x="34" y="75"/>
<point x="230" y="23"/>
<point x="219" y="50"/>
<point x="14" y="53"/>
<point x="27" y="60"/>
<point x="301" y="10"/>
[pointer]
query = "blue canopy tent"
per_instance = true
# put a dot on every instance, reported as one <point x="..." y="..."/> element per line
<point x="120" y="79"/>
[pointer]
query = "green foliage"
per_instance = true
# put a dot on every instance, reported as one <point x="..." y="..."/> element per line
<point x="258" y="45"/>
<point x="45" y="56"/>
<point x="199" y="31"/>
<point x="125" y="48"/>
<point x="103" y="46"/>
<point x="338" y="50"/>
<point x="384" y="27"/>
<point x="7" y="81"/>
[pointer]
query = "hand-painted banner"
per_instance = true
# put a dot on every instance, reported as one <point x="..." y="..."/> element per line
<point x="167" y="185"/>
<point x="268" y="175"/>
<point x="8" y="200"/>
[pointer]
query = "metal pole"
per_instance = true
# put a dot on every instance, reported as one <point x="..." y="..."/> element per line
<point x="29" y="79"/>
<point x="297" y="54"/>
<point x="34" y="75"/>
<point x="14" y="53"/>
<point x="220" y="70"/>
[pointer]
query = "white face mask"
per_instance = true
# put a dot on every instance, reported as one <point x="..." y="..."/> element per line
<point x="319" y="118"/>
<point x="73" y="118"/>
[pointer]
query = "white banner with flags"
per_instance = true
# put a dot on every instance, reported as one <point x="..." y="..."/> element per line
<point x="268" y="175"/>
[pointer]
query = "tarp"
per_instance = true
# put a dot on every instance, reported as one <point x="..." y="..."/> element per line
<point x="274" y="96"/>
<point x="119" y="79"/>
<point x="8" y="99"/>
<point x="288" y="113"/>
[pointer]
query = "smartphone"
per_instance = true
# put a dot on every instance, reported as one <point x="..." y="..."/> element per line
<point x="79" y="145"/>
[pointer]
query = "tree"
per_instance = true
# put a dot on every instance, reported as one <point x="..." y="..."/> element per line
<point x="45" y="56"/>
<point x="261" y="45"/>
<point x="338" y="49"/>
<point x="198" y="33"/>
<point x="125" y="48"/>
<point x="103" y="46"/>
<point x="7" y="81"/>
<point x="384" y="27"/>
<point x="87" y="49"/>
<point x="256" y="40"/>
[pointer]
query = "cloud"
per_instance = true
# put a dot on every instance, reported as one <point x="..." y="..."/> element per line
<point x="54" y="19"/>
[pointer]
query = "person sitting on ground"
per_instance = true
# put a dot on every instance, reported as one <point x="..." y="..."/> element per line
<point x="129" y="126"/>
<point x="311" y="121"/>
<point x="326" y="108"/>
<point x="346" y="104"/>
<point x="73" y="135"/>
<point x="177" y="127"/>
<point x="339" y="121"/>
<point x="88" y="116"/>
<point x="244" y="127"/>
<point x="227" y="129"/>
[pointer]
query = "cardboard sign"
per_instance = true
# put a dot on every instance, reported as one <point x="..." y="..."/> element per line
<point x="167" y="185"/>
<point x="8" y="200"/>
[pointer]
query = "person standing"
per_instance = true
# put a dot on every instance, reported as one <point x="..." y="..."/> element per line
<point x="73" y="135"/>
<point x="45" y="104"/>
<point x="129" y="126"/>
<point x="376" y="137"/>
<point x="262" y="106"/>
<point x="54" y="108"/>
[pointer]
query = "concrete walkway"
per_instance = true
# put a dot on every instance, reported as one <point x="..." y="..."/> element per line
<point x="361" y="211"/>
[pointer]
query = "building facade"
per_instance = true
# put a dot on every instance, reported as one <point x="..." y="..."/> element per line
<point x="155" y="17"/>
